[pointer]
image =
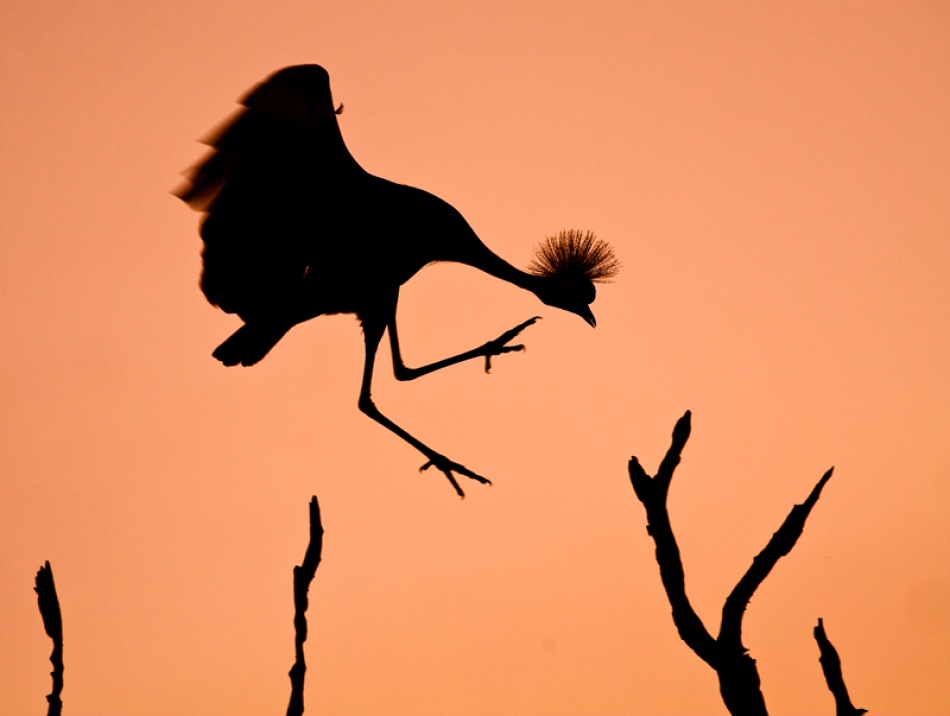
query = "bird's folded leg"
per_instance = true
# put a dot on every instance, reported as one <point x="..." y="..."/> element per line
<point x="447" y="467"/>
<point x="498" y="346"/>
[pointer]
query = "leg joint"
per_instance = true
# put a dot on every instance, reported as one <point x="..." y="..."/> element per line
<point x="402" y="372"/>
<point x="367" y="406"/>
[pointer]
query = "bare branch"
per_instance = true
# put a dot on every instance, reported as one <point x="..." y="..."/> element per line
<point x="303" y="576"/>
<point x="652" y="492"/>
<point x="730" y="630"/>
<point x="831" y="666"/>
<point x="53" y="624"/>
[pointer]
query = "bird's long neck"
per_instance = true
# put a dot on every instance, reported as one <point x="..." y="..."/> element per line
<point x="489" y="262"/>
<point x="452" y="239"/>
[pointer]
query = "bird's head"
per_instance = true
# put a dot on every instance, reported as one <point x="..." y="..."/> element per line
<point x="569" y="265"/>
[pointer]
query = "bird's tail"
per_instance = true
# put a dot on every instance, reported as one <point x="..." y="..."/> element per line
<point x="248" y="344"/>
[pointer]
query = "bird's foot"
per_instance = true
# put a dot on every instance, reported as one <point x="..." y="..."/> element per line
<point x="447" y="468"/>
<point x="499" y="345"/>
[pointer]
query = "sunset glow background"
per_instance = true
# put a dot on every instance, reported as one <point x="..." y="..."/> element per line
<point x="774" y="178"/>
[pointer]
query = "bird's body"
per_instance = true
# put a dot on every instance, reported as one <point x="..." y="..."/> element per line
<point x="295" y="229"/>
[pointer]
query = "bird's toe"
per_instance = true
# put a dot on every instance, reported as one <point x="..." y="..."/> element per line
<point x="449" y="469"/>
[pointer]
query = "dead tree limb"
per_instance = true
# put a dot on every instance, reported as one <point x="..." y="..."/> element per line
<point x="739" y="682"/>
<point x="653" y="492"/>
<point x="53" y="623"/>
<point x="831" y="666"/>
<point x="303" y="576"/>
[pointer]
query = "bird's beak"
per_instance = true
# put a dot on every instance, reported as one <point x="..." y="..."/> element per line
<point x="586" y="314"/>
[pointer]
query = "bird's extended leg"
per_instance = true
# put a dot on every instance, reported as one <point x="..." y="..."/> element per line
<point x="373" y="333"/>
<point x="492" y="348"/>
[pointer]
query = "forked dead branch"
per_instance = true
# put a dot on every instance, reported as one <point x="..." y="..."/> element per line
<point x="738" y="676"/>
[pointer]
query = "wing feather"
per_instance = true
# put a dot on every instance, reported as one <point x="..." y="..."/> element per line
<point x="275" y="169"/>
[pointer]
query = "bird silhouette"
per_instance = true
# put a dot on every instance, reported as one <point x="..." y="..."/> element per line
<point x="295" y="228"/>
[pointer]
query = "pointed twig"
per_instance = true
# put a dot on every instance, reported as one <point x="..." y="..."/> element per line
<point x="303" y="576"/>
<point x="53" y="623"/>
<point x="831" y="666"/>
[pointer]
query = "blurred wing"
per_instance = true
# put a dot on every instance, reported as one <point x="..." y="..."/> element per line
<point x="286" y="138"/>
<point x="204" y="181"/>
<point x="274" y="171"/>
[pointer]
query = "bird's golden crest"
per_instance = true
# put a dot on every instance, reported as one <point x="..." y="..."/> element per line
<point x="575" y="254"/>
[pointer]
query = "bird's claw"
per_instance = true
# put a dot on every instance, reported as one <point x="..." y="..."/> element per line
<point x="497" y="346"/>
<point x="447" y="467"/>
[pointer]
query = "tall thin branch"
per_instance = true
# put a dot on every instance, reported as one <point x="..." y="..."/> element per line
<point x="303" y="576"/>
<point x="831" y="666"/>
<point x="53" y="623"/>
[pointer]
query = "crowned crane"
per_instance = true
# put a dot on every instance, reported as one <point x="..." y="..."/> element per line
<point x="294" y="228"/>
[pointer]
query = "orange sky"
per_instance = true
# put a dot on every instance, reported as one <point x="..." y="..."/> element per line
<point x="774" y="179"/>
